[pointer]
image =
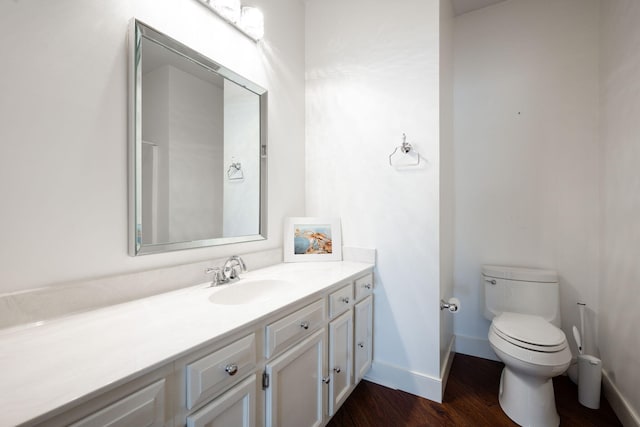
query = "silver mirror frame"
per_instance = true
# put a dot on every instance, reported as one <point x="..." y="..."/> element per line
<point x="137" y="31"/>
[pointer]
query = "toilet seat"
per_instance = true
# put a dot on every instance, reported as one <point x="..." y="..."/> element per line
<point x="529" y="332"/>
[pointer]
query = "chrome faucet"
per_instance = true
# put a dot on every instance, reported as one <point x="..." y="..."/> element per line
<point x="233" y="267"/>
<point x="230" y="271"/>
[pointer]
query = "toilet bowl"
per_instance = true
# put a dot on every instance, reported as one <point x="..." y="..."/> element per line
<point x="533" y="351"/>
<point x="524" y="308"/>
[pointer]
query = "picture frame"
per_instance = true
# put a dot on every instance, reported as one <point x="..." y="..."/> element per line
<point x="312" y="239"/>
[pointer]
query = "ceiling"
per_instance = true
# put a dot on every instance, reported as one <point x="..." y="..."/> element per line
<point x="464" y="6"/>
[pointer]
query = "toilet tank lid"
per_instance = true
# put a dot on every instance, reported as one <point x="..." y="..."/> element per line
<point x="520" y="273"/>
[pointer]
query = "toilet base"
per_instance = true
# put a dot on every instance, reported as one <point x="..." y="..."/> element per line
<point x="528" y="400"/>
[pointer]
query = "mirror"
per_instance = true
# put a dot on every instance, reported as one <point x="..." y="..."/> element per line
<point x="197" y="157"/>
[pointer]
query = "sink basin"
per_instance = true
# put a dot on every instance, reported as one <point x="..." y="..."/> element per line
<point x="248" y="291"/>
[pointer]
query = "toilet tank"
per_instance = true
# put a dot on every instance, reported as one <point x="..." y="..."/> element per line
<point x="521" y="290"/>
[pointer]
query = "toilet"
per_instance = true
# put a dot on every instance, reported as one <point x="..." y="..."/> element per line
<point x="523" y="305"/>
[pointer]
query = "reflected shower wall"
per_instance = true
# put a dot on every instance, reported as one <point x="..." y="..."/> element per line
<point x="182" y="118"/>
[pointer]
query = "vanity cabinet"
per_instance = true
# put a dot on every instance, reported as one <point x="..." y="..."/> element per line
<point x="293" y="367"/>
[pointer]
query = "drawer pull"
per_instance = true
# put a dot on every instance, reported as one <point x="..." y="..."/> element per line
<point x="367" y="286"/>
<point x="361" y="344"/>
<point x="345" y="300"/>
<point x="305" y="324"/>
<point x="337" y="369"/>
<point x="231" y="369"/>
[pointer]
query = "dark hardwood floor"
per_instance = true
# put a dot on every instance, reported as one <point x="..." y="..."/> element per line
<point x="470" y="399"/>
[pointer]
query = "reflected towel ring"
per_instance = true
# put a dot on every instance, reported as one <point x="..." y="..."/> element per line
<point x="405" y="148"/>
<point x="235" y="171"/>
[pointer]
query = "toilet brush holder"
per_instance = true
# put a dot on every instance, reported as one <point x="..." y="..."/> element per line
<point x="589" y="380"/>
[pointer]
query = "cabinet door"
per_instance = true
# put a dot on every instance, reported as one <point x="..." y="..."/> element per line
<point x="236" y="407"/>
<point x="294" y="396"/>
<point x="340" y="360"/>
<point x="363" y="337"/>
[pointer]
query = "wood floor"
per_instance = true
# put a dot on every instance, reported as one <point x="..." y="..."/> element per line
<point x="470" y="399"/>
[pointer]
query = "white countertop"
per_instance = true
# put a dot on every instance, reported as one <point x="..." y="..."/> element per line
<point x="53" y="364"/>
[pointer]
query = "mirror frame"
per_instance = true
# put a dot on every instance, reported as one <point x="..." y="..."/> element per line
<point x="137" y="31"/>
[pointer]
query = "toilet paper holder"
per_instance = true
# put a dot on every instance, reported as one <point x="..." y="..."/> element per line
<point x="453" y="305"/>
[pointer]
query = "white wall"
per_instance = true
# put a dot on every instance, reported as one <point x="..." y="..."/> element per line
<point x="372" y="74"/>
<point x="63" y="141"/>
<point x="526" y="153"/>
<point x="619" y="316"/>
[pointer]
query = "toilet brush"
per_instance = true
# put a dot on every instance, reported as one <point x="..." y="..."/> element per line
<point x="576" y="336"/>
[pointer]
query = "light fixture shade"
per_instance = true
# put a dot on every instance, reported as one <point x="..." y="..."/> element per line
<point x="252" y="22"/>
<point x="229" y="9"/>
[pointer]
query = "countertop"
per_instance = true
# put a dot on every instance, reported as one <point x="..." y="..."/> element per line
<point x="54" y="364"/>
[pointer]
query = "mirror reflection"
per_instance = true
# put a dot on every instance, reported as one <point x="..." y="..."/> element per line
<point x="198" y="144"/>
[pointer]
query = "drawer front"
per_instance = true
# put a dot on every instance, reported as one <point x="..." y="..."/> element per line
<point x="142" y="408"/>
<point x="288" y="330"/>
<point x="364" y="286"/>
<point x="214" y="372"/>
<point x="340" y="301"/>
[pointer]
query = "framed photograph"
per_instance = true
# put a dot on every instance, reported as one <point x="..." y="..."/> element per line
<point x="312" y="239"/>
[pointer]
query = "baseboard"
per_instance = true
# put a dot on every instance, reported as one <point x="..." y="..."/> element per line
<point x="474" y="346"/>
<point x="401" y="379"/>
<point x="446" y="366"/>
<point x="627" y="415"/>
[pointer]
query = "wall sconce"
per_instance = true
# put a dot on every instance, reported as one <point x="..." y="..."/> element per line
<point x="249" y="20"/>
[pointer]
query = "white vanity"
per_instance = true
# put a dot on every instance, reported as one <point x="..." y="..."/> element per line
<point x="288" y="355"/>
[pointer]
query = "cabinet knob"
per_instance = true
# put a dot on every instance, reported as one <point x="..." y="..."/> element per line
<point x="231" y="369"/>
<point x="345" y="300"/>
<point x="326" y="380"/>
<point x="367" y="286"/>
<point x="337" y="369"/>
<point x="305" y="324"/>
<point x="361" y="344"/>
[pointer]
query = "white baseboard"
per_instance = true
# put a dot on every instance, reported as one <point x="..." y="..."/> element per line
<point x="474" y="346"/>
<point x="413" y="382"/>
<point x="625" y="412"/>
<point x="446" y="366"/>
<point x="401" y="379"/>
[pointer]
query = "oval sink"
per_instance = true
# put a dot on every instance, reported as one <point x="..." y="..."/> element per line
<point x="247" y="291"/>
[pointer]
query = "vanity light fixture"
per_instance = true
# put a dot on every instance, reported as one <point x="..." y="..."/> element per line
<point x="249" y="20"/>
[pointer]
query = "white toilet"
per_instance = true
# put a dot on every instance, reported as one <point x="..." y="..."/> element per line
<point x="524" y="306"/>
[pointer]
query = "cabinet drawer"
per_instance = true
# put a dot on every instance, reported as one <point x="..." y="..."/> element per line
<point x="340" y="301"/>
<point x="364" y="286"/>
<point x="286" y="331"/>
<point x="214" y="372"/>
<point x="142" y="408"/>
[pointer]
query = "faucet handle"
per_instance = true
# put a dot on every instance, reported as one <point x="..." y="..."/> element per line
<point x="217" y="275"/>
